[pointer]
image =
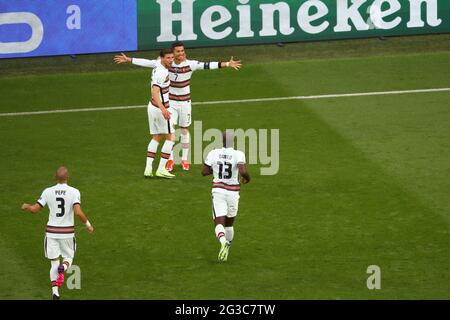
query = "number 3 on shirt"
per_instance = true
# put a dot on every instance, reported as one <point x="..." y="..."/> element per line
<point x="61" y="207"/>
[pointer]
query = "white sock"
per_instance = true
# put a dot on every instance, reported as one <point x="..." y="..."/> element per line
<point x="229" y="233"/>
<point x="166" y="150"/>
<point x="54" y="272"/>
<point x="220" y="233"/>
<point x="151" y="152"/>
<point x="67" y="263"/>
<point x="185" y="138"/>
<point x="55" y="290"/>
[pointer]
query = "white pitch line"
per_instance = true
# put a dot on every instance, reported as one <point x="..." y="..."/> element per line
<point x="325" y="96"/>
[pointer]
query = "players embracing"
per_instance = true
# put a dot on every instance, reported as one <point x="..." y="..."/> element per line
<point x="159" y="117"/>
<point x="180" y="74"/>
<point x="226" y="164"/>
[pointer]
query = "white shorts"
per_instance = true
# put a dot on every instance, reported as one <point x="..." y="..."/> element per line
<point x="54" y="248"/>
<point x="156" y="121"/>
<point x="225" y="203"/>
<point x="182" y="113"/>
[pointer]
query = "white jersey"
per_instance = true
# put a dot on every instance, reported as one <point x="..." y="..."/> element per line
<point x="224" y="163"/>
<point x="60" y="200"/>
<point x="160" y="78"/>
<point x="180" y="75"/>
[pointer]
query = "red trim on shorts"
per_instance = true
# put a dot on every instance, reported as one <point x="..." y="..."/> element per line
<point x="229" y="187"/>
<point x="60" y="230"/>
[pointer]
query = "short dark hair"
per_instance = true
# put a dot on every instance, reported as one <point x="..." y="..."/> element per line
<point x="177" y="44"/>
<point x="163" y="52"/>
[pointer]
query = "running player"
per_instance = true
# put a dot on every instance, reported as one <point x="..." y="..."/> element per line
<point x="180" y="74"/>
<point x="63" y="202"/>
<point x="225" y="164"/>
<point x="159" y="117"/>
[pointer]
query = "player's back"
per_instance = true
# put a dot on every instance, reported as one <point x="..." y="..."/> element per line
<point x="60" y="199"/>
<point x="224" y="163"/>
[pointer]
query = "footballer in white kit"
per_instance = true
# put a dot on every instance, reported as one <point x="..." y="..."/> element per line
<point x="64" y="203"/>
<point x="226" y="165"/>
<point x="180" y="74"/>
<point x="160" y="117"/>
<point x="157" y="122"/>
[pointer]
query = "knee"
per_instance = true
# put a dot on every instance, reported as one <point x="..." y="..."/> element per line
<point x="219" y="220"/>
<point x="157" y="137"/>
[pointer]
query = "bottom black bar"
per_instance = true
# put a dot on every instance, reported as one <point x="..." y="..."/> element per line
<point x="236" y="310"/>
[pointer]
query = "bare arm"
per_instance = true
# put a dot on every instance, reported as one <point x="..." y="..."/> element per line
<point x="122" y="58"/>
<point x="213" y="65"/>
<point x="244" y="173"/>
<point x="235" y="64"/>
<point x="35" y="208"/>
<point x="206" y="170"/>
<point x="156" y="96"/>
<point x="80" y="214"/>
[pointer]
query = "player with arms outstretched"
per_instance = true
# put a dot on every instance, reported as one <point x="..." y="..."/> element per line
<point x="180" y="73"/>
<point x="226" y="165"/>
<point x="63" y="202"/>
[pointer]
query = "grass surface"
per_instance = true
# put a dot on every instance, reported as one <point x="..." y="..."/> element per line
<point x="248" y="54"/>
<point x="362" y="181"/>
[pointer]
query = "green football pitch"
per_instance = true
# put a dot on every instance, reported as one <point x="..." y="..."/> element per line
<point x="362" y="180"/>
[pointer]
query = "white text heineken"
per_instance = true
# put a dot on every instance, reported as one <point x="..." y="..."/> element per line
<point x="312" y="17"/>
